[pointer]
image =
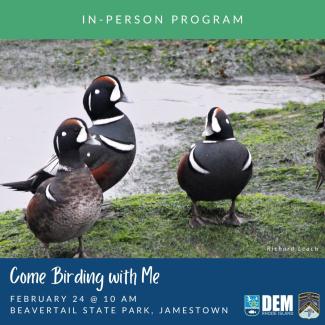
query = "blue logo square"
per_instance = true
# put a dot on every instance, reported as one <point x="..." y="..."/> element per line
<point x="252" y="304"/>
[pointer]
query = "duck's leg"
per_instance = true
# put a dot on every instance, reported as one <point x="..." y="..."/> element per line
<point x="320" y="181"/>
<point x="231" y="218"/>
<point x="196" y="220"/>
<point x="80" y="253"/>
<point x="46" y="247"/>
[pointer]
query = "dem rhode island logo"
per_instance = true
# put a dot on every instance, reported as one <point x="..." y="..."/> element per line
<point x="252" y="305"/>
<point x="309" y="305"/>
<point x="268" y="305"/>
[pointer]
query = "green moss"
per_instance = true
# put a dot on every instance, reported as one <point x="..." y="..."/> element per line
<point x="281" y="45"/>
<point x="283" y="174"/>
<point x="101" y="51"/>
<point x="265" y="112"/>
<point x="107" y="42"/>
<point x="147" y="47"/>
<point x="264" y="135"/>
<point x="157" y="226"/>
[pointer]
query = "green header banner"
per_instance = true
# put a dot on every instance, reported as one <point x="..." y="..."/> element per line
<point x="166" y="19"/>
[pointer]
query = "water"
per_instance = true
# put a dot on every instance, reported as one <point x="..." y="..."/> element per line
<point x="30" y="116"/>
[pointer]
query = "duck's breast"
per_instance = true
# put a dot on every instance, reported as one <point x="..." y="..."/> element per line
<point x="216" y="171"/>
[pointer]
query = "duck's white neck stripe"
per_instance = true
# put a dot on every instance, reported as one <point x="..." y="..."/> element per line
<point x="108" y="120"/>
<point x="215" y="141"/>
<point x="195" y="165"/>
<point x="48" y="194"/>
<point x="248" y="162"/>
<point x="117" y="145"/>
<point x="64" y="168"/>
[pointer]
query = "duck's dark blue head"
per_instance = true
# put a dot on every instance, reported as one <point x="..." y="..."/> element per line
<point x="68" y="138"/>
<point x="217" y="125"/>
<point x="101" y="97"/>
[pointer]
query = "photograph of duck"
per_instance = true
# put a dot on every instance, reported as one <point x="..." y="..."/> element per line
<point x="217" y="168"/>
<point x="66" y="205"/>
<point x="168" y="148"/>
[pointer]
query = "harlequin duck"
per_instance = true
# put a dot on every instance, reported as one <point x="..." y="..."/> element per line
<point x="112" y="159"/>
<point x="217" y="168"/>
<point x="67" y="205"/>
<point x="112" y="128"/>
<point x="320" y="154"/>
<point x="318" y="75"/>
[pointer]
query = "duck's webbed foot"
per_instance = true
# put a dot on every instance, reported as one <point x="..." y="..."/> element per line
<point x="232" y="219"/>
<point x="210" y="221"/>
<point x="198" y="220"/>
<point x="81" y="253"/>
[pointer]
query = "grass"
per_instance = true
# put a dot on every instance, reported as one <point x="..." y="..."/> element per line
<point x="156" y="225"/>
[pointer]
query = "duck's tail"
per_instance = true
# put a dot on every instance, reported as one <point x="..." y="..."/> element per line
<point x="31" y="184"/>
<point x="24" y="186"/>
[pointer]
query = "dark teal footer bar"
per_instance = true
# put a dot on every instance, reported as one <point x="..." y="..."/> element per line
<point x="161" y="291"/>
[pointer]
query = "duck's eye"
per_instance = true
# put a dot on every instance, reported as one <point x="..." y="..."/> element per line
<point x="97" y="91"/>
<point x="64" y="133"/>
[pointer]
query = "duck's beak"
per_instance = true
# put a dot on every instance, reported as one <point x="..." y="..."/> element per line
<point x="124" y="99"/>
<point x="92" y="140"/>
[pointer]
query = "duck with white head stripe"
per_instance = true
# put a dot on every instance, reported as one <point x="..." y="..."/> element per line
<point x="115" y="146"/>
<point x="216" y="168"/>
<point x="112" y="128"/>
<point x="67" y="205"/>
